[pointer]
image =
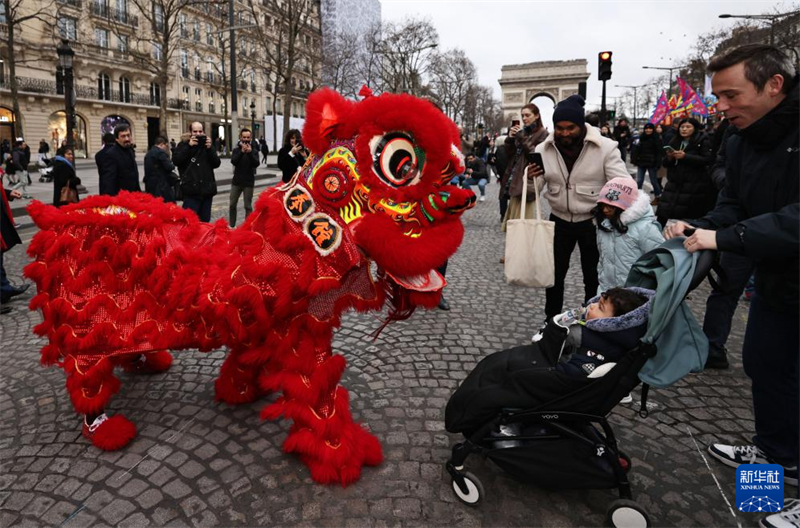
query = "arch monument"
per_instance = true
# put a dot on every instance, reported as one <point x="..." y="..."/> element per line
<point x="521" y="83"/>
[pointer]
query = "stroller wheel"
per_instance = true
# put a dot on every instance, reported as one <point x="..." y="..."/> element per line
<point x="625" y="513"/>
<point x="625" y="462"/>
<point x="474" y="488"/>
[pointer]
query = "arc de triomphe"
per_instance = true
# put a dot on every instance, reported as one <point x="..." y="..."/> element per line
<point x="521" y="83"/>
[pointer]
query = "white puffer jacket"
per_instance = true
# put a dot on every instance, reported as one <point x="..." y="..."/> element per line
<point x="572" y="195"/>
<point x="618" y="251"/>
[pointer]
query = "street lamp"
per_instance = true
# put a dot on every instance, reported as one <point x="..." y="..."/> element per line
<point x="253" y="117"/>
<point x="234" y="97"/>
<point x="66" y="57"/>
<point x="771" y="18"/>
<point x="670" y="70"/>
<point x="635" y="106"/>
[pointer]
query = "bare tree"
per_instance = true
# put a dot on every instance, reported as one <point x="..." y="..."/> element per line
<point x="406" y="49"/>
<point x="280" y="24"/>
<point x="369" y="69"/>
<point x="452" y="75"/>
<point x="15" y="13"/>
<point x="339" y="70"/>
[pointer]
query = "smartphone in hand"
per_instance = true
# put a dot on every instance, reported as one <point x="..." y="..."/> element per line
<point x="536" y="157"/>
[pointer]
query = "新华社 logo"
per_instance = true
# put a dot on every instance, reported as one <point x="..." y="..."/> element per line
<point x="759" y="488"/>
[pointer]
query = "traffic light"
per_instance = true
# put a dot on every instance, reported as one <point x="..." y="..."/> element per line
<point x="604" y="65"/>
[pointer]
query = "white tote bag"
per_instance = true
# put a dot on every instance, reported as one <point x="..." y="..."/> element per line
<point x="529" y="246"/>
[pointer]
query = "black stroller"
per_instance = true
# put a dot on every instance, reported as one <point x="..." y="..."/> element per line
<point x="568" y="442"/>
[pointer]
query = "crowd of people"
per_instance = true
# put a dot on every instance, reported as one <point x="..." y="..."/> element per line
<point x="731" y="187"/>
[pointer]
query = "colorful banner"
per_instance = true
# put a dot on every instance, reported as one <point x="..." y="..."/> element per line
<point x="660" y="111"/>
<point x="691" y="101"/>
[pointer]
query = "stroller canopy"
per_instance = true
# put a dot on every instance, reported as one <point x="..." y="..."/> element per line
<point x="682" y="347"/>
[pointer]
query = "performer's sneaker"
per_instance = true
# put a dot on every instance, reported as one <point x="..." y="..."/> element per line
<point x="109" y="434"/>
<point x="788" y="517"/>
<point x="733" y="456"/>
<point x="150" y="363"/>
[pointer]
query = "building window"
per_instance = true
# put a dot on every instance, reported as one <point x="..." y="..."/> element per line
<point x="211" y="104"/>
<point x="122" y="43"/>
<point x="104" y="87"/>
<point x="252" y="81"/>
<point x="157" y="53"/>
<point x="101" y="38"/>
<point x="196" y="31"/>
<point x="158" y="16"/>
<point x="155" y="94"/>
<point x="185" y="97"/>
<point x="198" y="99"/>
<point x="182" y="25"/>
<point x="124" y="90"/>
<point x="67" y="28"/>
<point x="209" y="32"/>
<point x="196" y="72"/>
<point x="184" y="64"/>
<point x="209" y="69"/>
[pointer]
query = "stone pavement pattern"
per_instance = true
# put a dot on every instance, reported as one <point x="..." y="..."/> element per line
<point x="197" y="462"/>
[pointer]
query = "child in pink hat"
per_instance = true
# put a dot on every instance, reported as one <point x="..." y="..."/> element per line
<point x="626" y="229"/>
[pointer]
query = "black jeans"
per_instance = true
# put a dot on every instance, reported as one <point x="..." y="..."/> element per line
<point x="721" y="304"/>
<point x="567" y="234"/>
<point x="503" y="206"/>
<point x="770" y="360"/>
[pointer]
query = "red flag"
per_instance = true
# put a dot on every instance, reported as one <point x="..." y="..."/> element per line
<point x="660" y="110"/>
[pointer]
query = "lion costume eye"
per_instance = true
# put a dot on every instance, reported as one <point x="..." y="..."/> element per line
<point x="395" y="159"/>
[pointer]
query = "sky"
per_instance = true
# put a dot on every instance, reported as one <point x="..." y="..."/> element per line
<point x="493" y="33"/>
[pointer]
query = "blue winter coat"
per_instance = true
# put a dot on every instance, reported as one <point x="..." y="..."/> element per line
<point x="618" y="251"/>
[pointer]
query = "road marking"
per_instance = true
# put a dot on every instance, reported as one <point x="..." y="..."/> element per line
<point x="76" y="512"/>
<point x="705" y="460"/>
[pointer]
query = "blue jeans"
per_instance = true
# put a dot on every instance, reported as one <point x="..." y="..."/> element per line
<point x="469" y="182"/>
<point x="201" y="206"/>
<point x="770" y="361"/>
<point x="457" y="179"/>
<point x="721" y="304"/>
<point x="653" y="178"/>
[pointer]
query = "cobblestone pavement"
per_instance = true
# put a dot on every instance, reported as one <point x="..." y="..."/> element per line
<point x="199" y="462"/>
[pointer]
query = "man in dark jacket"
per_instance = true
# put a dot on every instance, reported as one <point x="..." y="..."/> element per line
<point x="118" y="169"/>
<point x="196" y="159"/>
<point x="245" y="160"/>
<point x="646" y="154"/>
<point x="622" y="133"/>
<point x="158" y="175"/>
<point x="758" y="215"/>
<point x="476" y="174"/>
<point x="264" y="148"/>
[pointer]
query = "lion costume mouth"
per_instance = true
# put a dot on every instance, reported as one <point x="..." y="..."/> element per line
<point x="431" y="282"/>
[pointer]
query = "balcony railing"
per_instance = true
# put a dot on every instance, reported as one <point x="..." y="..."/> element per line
<point x="71" y="3"/>
<point x="48" y="87"/>
<point x="104" y="11"/>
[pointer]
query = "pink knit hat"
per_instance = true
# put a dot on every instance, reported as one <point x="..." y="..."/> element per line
<point x="620" y="192"/>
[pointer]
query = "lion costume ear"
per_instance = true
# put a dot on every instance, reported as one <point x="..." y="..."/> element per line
<point x="325" y="111"/>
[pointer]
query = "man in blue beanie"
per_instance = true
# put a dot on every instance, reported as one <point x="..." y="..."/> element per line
<point x="578" y="161"/>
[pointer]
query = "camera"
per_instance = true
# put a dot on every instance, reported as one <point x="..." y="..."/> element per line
<point x="201" y="140"/>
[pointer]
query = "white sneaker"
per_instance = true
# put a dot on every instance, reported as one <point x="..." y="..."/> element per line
<point x="627" y="399"/>
<point x="733" y="456"/>
<point x="482" y="199"/>
<point x="788" y="517"/>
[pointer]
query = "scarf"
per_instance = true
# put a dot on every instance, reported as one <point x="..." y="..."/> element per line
<point x="65" y="160"/>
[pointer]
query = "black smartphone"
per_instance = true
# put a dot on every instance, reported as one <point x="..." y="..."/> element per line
<point x="201" y="140"/>
<point x="536" y="157"/>
<point x="514" y="122"/>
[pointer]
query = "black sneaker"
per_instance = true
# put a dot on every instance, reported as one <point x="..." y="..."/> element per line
<point x="749" y="454"/>
<point x="717" y="360"/>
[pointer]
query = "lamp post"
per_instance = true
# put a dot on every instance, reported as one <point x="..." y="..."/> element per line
<point x="253" y="117"/>
<point x="771" y="18"/>
<point x="234" y="107"/>
<point x="670" y="70"/>
<point x="635" y="106"/>
<point x="66" y="57"/>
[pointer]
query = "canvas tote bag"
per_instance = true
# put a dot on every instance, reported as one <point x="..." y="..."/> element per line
<point x="529" y="247"/>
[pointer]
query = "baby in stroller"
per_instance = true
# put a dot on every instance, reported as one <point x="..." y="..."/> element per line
<point x="573" y="346"/>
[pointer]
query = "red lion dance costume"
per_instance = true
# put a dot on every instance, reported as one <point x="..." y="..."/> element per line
<point x="123" y="279"/>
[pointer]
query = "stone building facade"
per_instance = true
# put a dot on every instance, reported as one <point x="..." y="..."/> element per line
<point x="111" y="88"/>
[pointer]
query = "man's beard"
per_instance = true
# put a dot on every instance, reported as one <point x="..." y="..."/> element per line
<point x="566" y="141"/>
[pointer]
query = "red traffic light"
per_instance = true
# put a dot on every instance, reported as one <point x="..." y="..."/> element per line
<point x="604" y="65"/>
